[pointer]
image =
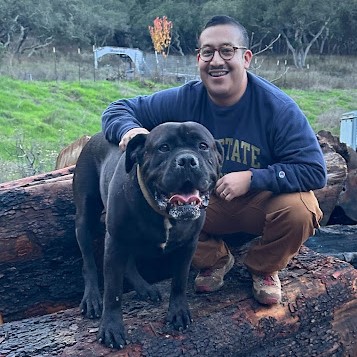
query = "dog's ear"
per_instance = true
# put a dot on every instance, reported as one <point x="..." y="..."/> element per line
<point x="135" y="146"/>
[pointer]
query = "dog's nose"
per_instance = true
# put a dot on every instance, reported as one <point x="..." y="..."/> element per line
<point x="187" y="161"/>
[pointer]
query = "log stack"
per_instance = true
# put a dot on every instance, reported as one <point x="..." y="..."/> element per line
<point x="318" y="317"/>
<point x="41" y="283"/>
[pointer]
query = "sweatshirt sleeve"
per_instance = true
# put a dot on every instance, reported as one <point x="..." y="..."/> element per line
<point x="144" y="111"/>
<point x="299" y="163"/>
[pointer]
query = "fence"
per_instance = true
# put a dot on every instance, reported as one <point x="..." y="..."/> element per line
<point x="78" y="65"/>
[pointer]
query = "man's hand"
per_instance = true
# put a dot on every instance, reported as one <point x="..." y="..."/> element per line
<point x="233" y="185"/>
<point x="129" y="135"/>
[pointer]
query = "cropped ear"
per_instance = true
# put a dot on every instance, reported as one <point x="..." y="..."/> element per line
<point x="133" y="150"/>
<point x="220" y="152"/>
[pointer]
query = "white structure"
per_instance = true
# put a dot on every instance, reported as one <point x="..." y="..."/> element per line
<point x="348" y="129"/>
<point x="135" y="55"/>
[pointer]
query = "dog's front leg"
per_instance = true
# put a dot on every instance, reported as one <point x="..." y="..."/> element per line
<point x="178" y="314"/>
<point x="111" y="330"/>
<point x="140" y="285"/>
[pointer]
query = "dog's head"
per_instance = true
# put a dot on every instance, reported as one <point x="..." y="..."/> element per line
<point x="179" y="165"/>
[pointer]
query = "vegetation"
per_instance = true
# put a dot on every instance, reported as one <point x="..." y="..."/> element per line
<point x="318" y="26"/>
<point x="38" y="119"/>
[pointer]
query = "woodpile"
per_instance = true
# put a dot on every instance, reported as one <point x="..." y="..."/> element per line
<point x="41" y="284"/>
<point x="318" y="317"/>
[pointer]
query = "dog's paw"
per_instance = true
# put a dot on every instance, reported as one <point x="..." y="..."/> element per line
<point x="150" y="292"/>
<point x="91" y="305"/>
<point x="179" y="316"/>
<point x="112" y="334"/>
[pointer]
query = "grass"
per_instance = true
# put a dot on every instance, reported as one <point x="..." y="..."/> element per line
<point x="324" y="108"/>
<point x="51" y="112"/>
<point x="38" y="118"/>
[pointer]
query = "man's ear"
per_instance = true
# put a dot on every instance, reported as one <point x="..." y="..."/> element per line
<point x="133" y="150"/>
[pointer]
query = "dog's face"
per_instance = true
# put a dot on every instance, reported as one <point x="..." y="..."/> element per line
<point x="179" y="164"/>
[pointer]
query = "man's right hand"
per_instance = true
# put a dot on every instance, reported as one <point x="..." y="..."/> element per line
<point x="129" y="135"/>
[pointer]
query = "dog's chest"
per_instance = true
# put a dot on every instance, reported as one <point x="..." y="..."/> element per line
<point x="176" y="235"/>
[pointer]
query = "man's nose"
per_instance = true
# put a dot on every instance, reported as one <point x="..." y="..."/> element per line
<point x="217" y="58"/>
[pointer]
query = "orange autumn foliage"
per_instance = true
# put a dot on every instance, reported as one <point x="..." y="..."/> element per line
<point x="161" y="34"/>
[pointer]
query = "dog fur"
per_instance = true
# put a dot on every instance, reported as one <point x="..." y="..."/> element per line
<point x="154" y="196"/>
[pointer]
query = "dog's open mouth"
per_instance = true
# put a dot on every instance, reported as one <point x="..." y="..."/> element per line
<point x="183" y="206"/>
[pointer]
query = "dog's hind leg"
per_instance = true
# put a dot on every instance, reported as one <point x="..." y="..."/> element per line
<point x="141" y="286"/>
<point x="89" y="210"/>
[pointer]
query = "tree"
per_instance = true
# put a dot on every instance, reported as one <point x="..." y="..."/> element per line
<point x="300" y="22"/>
<point x="161" y="35"/>
<point x="28" y="25"/>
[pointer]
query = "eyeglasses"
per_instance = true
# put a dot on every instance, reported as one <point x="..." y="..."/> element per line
<point x="226" y="52"/>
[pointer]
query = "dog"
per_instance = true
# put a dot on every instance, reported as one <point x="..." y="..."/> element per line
<point x="154" y="196"/>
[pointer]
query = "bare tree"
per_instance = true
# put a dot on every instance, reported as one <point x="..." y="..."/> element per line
<point x="300" y="44"/>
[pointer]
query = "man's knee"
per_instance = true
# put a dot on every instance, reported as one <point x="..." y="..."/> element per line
<point x="298" y="210"/>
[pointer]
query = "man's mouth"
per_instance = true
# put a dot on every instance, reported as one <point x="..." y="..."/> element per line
<point x="217" y="73"/>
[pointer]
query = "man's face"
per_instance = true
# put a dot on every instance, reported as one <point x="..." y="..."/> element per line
<point x="225" y="80"/>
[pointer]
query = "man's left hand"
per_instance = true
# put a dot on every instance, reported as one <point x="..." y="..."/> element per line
<point x="233" y="185"/>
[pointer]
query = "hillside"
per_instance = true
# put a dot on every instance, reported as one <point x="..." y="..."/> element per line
<point x="37" y="119"/>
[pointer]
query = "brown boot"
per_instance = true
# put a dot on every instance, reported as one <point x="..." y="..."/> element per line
<point x="211" y="279"/>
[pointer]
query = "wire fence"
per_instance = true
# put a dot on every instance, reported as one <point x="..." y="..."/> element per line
<point x="321" y="73"/>
<point x="80" y="66"/>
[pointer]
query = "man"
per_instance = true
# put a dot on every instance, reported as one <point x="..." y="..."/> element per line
<point x="272" y="159"/>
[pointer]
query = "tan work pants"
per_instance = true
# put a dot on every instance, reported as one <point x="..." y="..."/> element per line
<point x="283" y="221"/>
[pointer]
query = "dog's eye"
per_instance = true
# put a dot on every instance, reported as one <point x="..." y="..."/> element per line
<point x="203" y="146"/>
<point x="164" y="148"/>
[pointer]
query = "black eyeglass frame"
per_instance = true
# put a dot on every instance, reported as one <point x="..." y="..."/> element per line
<point x="235" y="48"/>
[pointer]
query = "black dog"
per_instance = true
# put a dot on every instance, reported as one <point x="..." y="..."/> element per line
<point x="154" y="197"/>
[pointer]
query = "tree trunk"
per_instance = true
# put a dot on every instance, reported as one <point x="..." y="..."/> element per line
<point x="318" y="317"/>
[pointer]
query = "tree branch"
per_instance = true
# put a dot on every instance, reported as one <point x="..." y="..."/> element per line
<point x="268" y="47"/>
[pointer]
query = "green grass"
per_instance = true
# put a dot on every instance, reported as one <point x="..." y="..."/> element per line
<point x="44" y="117"/>
<point x="50" y="112"/>
<point x="317" y="104"/>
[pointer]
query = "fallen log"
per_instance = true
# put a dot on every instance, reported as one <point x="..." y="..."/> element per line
<point x="69" y="155"/>
<point x="336" y="176"/>
<point x="318" y="317"/>
<point x="40" y="262"/>
<point x="348" y="196"/>
<point x="336" y="241"/>
<point x="345" y="185"/>
<point x="39" y="257"/>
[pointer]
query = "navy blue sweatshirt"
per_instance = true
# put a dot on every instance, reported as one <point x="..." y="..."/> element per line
<point x="265" y="131"/>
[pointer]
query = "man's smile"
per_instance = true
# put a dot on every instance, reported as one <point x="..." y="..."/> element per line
<point x="218" y="72"/>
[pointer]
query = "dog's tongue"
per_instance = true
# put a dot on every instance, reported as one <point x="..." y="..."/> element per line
<point x="185" y="199"/>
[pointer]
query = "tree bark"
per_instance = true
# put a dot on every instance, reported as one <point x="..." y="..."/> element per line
<point x="336" y="176"/>
<point x="40" y="267"/>
<point x="318" y="317"/>
<point x="40" y="263"/>
<point x="340" y="194"/>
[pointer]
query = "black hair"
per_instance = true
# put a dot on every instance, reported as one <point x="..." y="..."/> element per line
<point x="227" y="20"/>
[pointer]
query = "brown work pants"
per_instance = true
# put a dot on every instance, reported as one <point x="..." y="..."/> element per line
<point x="284" y="222"/>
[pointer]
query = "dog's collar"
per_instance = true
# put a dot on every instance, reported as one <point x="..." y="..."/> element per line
<point x="149" y="199"/>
